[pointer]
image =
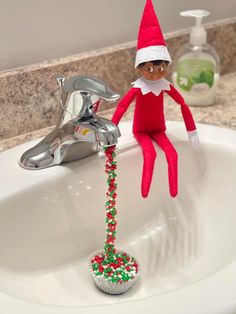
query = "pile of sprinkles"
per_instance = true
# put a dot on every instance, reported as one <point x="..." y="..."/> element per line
<point x="116" y="267"/>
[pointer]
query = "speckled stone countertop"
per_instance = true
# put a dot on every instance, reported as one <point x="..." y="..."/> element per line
<point x="222" y="113"/>
<point x="29" y="96"/>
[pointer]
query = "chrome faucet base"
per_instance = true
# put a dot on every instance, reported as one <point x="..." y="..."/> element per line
<point x="83" y="135"/>
<point x="68" y="152"/>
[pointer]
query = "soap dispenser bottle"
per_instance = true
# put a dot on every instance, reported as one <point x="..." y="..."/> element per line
<point x="197" y="65"/>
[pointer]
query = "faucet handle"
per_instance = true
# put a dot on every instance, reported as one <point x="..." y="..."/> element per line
<point x="89" y="84"/>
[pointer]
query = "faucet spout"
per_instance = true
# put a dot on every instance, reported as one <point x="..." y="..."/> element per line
<point x="106" y="132"/>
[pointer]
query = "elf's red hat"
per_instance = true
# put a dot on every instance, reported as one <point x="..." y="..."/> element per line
<point x="151" y="44"/>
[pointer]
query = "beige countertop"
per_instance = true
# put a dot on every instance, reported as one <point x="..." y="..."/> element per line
<point x="222" y="114"/>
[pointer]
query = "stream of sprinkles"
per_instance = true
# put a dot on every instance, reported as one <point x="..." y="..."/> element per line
<point x="116" y="267"/>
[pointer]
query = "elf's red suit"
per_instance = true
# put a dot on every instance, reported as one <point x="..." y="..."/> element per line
<point x="149" y="124"/>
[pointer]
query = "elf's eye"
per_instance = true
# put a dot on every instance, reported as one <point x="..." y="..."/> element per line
<point x="161" y="69"/>
<point x="150" y="69"/>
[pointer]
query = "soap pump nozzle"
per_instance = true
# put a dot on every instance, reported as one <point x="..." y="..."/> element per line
<point x="198" y="34"/>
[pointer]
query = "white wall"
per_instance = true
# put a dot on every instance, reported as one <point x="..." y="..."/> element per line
<point x="36" y="30"/>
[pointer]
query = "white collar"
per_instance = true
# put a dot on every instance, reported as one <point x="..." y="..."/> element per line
<point x="156" y="87"/>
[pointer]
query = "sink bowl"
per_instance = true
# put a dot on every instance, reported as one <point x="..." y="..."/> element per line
<point x="52" y="220"/>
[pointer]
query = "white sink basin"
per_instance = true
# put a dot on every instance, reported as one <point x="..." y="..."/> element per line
<point x="51" y="221"/>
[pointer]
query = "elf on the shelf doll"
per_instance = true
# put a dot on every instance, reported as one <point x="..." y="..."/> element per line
<point x="152" y="61"/>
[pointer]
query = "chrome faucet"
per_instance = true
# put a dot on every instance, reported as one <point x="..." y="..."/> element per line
<point x="79" y="132"/>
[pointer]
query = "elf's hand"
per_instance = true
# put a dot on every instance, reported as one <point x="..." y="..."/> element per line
<point x="194" y="139"/>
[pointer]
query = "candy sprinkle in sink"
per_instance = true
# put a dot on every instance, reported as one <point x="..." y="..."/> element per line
<point x="185" y="245"/>
<point x="113" y="272"/>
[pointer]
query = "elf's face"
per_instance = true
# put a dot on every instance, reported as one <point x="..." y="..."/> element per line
<point x="153" y="72"/>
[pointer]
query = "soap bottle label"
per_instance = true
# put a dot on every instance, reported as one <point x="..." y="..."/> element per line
<point x="195" y="75"/>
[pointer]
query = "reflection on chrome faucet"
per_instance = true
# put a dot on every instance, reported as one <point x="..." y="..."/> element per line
<point x="77" y="134"/>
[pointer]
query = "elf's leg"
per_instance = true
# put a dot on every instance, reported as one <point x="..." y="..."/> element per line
<point x="149" y="156"/>
<point x="172" y="159"/>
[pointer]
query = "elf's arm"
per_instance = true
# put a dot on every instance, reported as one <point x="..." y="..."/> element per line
<point x="123" y="105"/>
<point x="187" y="116"/>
